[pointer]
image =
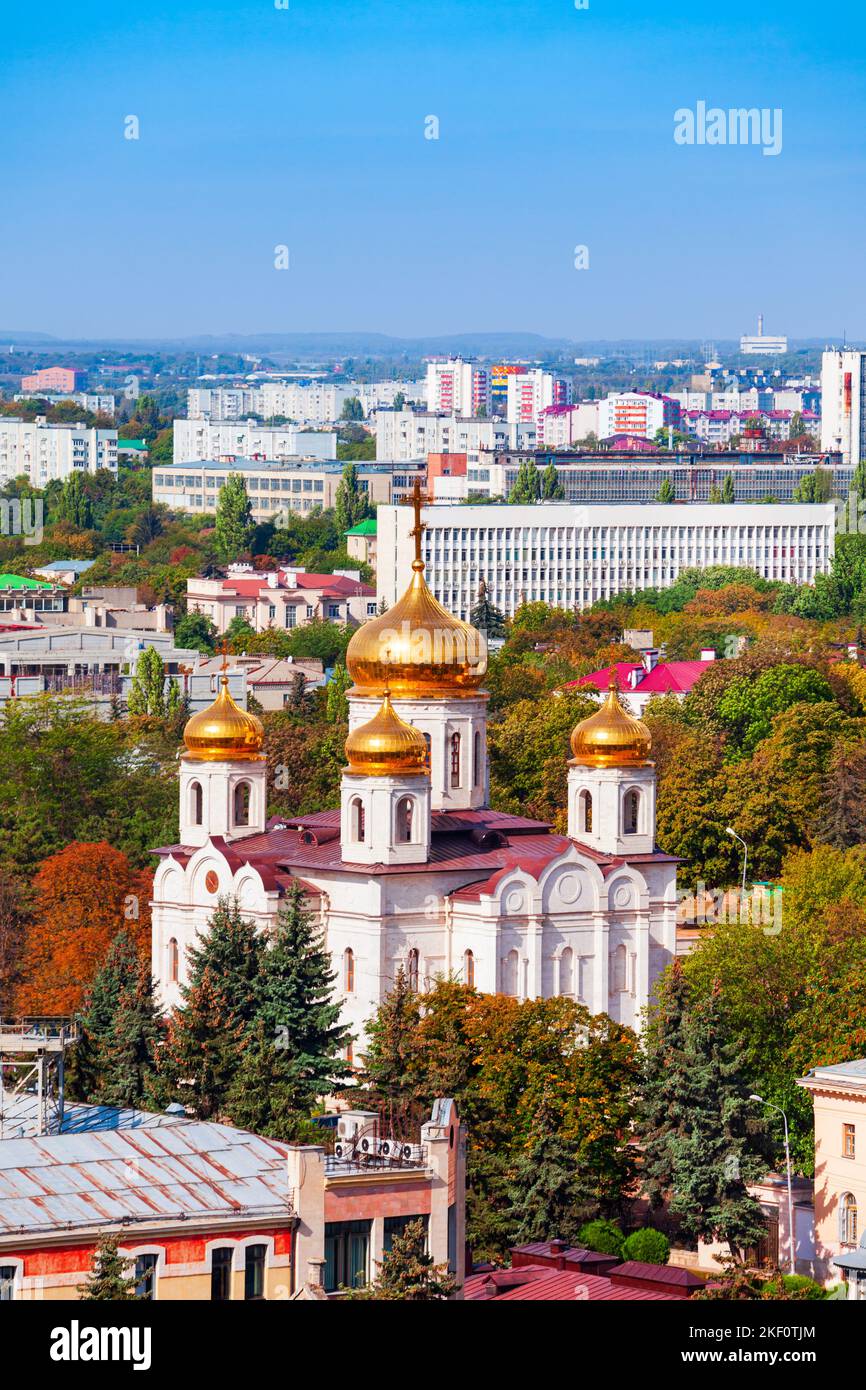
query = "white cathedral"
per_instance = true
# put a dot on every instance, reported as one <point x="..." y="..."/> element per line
<point x="415" y="870"/>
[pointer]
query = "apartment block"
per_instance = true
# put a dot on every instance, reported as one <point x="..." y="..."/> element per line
<point x="843" y="404"/>
<point x="413" y="434"/>
<point x="52" y="379"/>
<point x="226" y="439"/>
<point x="276" y="486"/>
<point x="43" y="452"/>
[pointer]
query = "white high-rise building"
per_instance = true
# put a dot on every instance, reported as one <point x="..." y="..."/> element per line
<point x="457" y="387"/>
<point x="571" y="556"/>
<point x="316" y="403"/>
<point x="843" y="404"/>
<point x="530" y="392"/>
<point x="413" y="434"/>
<point x="220" y="439"/>
<point x="43" y="452"/>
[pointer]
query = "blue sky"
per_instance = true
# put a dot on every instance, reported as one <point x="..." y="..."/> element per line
<point x="305" y="127"/>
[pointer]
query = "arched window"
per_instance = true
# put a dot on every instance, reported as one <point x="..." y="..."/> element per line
<point x="412" y="969"/>
<point x="429" y="743"/>
<point x="358" y="820"/>
<point x="405" y="818"/>
<point x="242" y="803"/>
<point x="619" y="971"/>
<point x="196" y="803"/>
<point x="511" y="974"/>
<point x="350" y="1056"/>
<point x="476" y="760"/>
<point x="455" y="760"/>
<point x="566" y="972"/>
<point x="848" y="1220"/>
<point x="584" y="812"/>
<point x="172" y="961"/>
<point x="349" y="970"/>
<point x="630" y="812"/>
<point x="469" y="969"/>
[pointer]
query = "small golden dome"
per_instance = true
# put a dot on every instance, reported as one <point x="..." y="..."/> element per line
<point x="611" y="737"/>
<point x="417" y="649"/>
<point x="386" y="744"/>
<point x="224" y="732"/>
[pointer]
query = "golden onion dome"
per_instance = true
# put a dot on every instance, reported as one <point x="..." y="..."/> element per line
<point x="224" y="731"/>
<point x="386" y="744"/>
<point x="611" y="737"/>
<point x="417" y="649"/>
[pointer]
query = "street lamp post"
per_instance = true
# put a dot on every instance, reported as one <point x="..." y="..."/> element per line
<point x="734" y="836"/>
<point x="791" y="1246"/>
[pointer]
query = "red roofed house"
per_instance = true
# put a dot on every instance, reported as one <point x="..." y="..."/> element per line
<point x="639" y="681"/>
<point x="285" y="598"/>
<point x="553" y="1271"/>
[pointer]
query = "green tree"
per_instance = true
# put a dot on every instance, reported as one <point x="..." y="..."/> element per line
<point x="351" y="503"/>
<point x="114" y="1058"/>
<point x="147" y="691"/>
<point x="407" y="1272"/>
<point x="74" y="504"/>
<point x="238" y="630"/>
<point x="296" y="1004"/>
<point x="527" y="484"/>
<point x="336" y="704"/>
<point x="352" y="409"/>
<point x="391" y="1056"/>
<point x="666" y="492"/>
<point x="842" y="821"/>
<point x="109" y="1279"/>
<point x="234" y="519"/>
<point x="486" y="616"/>
<point x="647" y="1246"/>
<point x="551" y="488"/>
<point x="748" y="705"/>
<point x="546" y="1192"/>
<point x="207" y="1035"/>
<point x="196" y="630"/>
<point x="601" y="1235"/>
<point x="727" y="493"/>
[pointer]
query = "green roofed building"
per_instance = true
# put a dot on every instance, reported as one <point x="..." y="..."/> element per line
<point x="18" y="581"/>
<point x="361" y="541"/>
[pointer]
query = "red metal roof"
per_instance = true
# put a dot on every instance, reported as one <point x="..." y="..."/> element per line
<point x="536" y="1284"/>
<point x="666" y="677"/>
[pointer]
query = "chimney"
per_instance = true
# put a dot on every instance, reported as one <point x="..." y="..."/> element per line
<point x="273" y="579"/>
<point x="557" y="1250"/>
<point x="650" y="659"/>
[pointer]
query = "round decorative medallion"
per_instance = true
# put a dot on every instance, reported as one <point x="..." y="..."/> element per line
<point x="514" y="902"/>
<point x="622" y="896"/>
<point x="569" y="887"/>
<point x="211" y="882"/>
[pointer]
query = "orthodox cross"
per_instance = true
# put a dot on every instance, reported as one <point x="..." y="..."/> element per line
<point x="420" y="527"/>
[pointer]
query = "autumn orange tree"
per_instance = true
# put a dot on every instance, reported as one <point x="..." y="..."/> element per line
<point x="83" y="896"/>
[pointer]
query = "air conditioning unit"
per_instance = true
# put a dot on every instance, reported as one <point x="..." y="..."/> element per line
<point x="390" y="1148"/>
<point x="412" y="1153"/>
<point x="346" y="1129"/>
<point x="369" y="1145"/>
<point x="343" y="1150"/>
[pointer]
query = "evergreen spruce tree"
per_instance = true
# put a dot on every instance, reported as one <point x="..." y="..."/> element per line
<point x="407" y="1273"/>
<point x="663" y="1118"/>
<point x="842" y="821"/>
<point x="486" y="616"/>
<point x="546" y="1193"/>
<point x="109" y="1279"/>
<point x="234" y="519"/>
<point x="699" y="1126"/>
<point x="263" y="1096"/>
<point x="207" y="1035"/>
<point x="119" y="1030"/>
<point x="295" y="1004"/>
<point x="527" y="484"/>
<point x="551" y="488"/>
<point x="391" y="1065"/>
<point x="727" y="493"/>
<point x="350" y="503"/>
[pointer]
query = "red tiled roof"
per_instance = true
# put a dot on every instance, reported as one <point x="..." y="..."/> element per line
<point x="665" y="677"/>
<point x="533" y="1283"/>
<point x="332" y="585"/>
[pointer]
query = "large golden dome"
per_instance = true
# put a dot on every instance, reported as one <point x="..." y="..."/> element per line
<point x="417" y="649"/>
<point x="224" y="731"/>
<point x="611" y="737"/>
<point x="386" y="744"/>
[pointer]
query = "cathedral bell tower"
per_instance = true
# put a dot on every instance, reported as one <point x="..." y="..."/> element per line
<point x="385" y="793"/>
<point x="223" y="773"/>
<point x="433" y="665"/>
<point x="611" y="782"/>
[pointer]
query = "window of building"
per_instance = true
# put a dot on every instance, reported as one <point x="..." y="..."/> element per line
<point x="405" y="817"/>
<point x="7" y="1283"/>
<point x="173" y="961"/>
<point x="196" y="803"/>
<point x="254" y="1272"/>
<point x="347" y="1254"/>
<point x="469" y="969"/>
<point x="584" y="812"/>
<point x="566" y="972"/>
<point x="349" y="970"/>
<point x="476" y="760"/>
<point x="455" y="760"/>
<point x="358" y="820"/>
<point x="511" y="974"/>
<point x="848" y="1220"/>
<point x="848" y="1142"/>
<point x="221" y="1274"/>
<point x="396" y="1225"/>
<point x="242" y="803"/>
<point x="631" y="811"/>
<point x="145" y="1276"/>
<point x="619" y="970"/>
<point x="412" y="969"/>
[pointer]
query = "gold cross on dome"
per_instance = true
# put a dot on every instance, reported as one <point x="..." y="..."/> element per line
<point x="420" y="527"/>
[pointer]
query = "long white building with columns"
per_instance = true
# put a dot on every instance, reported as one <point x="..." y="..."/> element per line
<point x="414" y="870"/>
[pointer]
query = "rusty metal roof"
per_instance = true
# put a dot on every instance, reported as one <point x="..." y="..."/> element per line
<point x="171" y="1172"/>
